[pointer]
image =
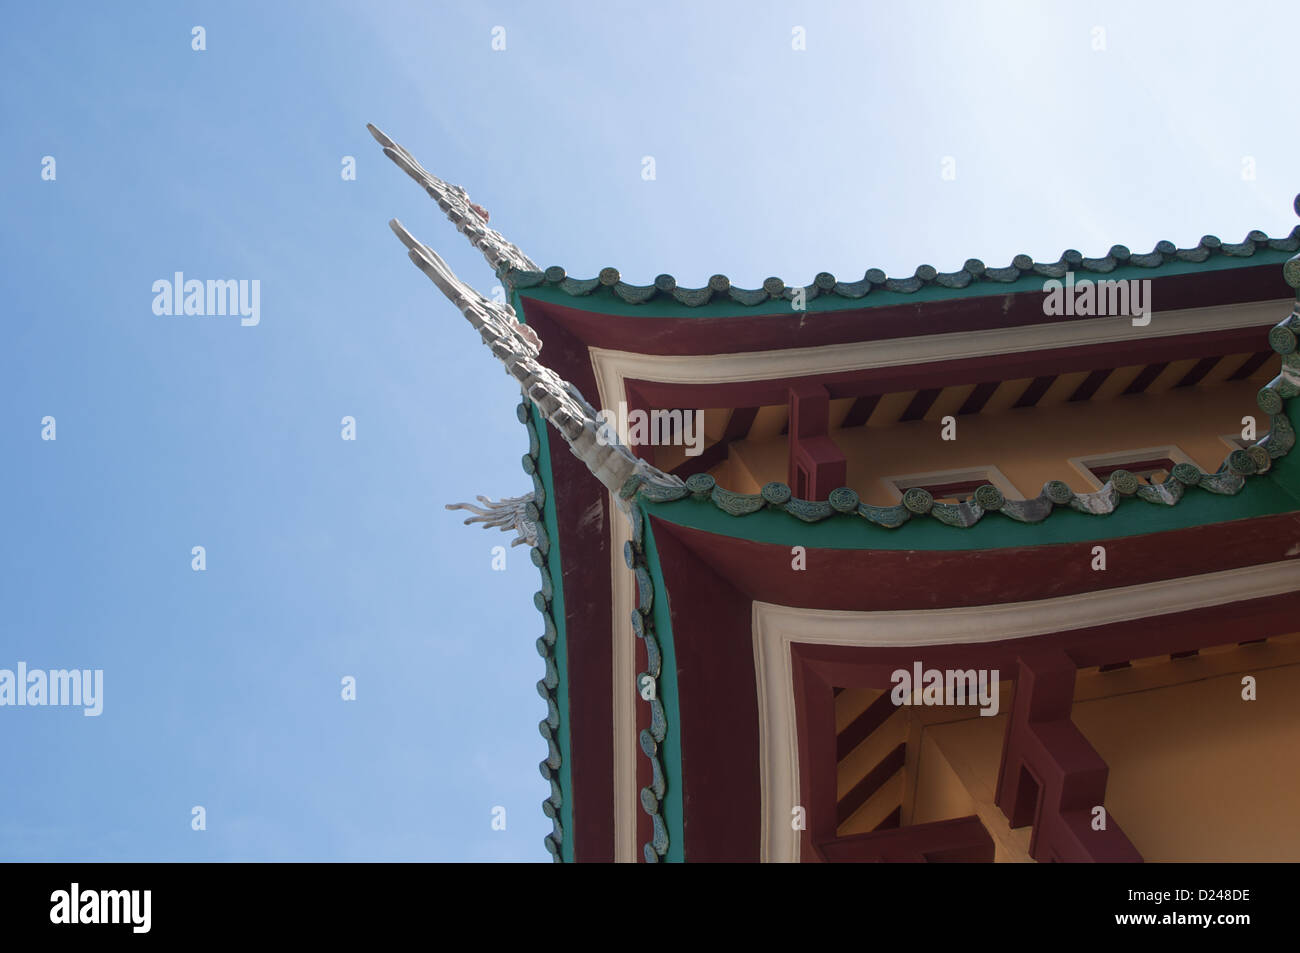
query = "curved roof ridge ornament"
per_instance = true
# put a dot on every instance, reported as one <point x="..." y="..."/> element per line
<point x="469" y="218"/>
<point x="517" y="346"/>
<point x="507" y="514"/>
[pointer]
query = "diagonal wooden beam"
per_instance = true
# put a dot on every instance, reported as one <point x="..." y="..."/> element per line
<point x="738" y="424"/>
<point x="978" y="398"/>
<point x="1035" y="391"/>
<point x="1144" y="379"/>
<point x="1090" y="385"/>
<point x="1198" y="372"/>
<point x="861" y="792"/>
<point x="861" y="410"/>
<point x="1253" y="363"/>
<point x="858" y="730"/>
<point x="920" y="404"/>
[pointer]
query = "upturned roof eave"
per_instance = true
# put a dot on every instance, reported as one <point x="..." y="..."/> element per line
<point x="826" y="292"/>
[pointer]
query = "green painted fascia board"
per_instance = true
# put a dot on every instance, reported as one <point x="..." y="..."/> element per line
<point x="1259" y="497"/>
<point x="1285" y="472"/>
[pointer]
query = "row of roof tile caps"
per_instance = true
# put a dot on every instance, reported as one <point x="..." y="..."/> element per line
<point x="719" y="287"/>
<point x="549" y="685"/>
<point x="647" y="686"/>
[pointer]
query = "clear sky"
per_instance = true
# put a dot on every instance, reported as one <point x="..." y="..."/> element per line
<point x="328" y="558"/>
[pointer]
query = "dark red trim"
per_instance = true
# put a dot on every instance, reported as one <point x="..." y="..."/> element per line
<point x="815" y="738"/>
<point x="717" y="707"/>
<point x="636" y="400"/>
<point x="914" y="579"/>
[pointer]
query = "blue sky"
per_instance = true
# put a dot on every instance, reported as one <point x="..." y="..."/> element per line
<point x="327" y="557"/>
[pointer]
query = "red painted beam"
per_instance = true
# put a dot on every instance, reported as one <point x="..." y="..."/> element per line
<point x="858" y="730"/>
<point x="1050" y="776"/>
<point x="816" y="464"/>
<point x="874" y="780"/>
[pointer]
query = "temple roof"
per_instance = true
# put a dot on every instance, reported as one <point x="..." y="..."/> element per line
<point x="641" y="489"/>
